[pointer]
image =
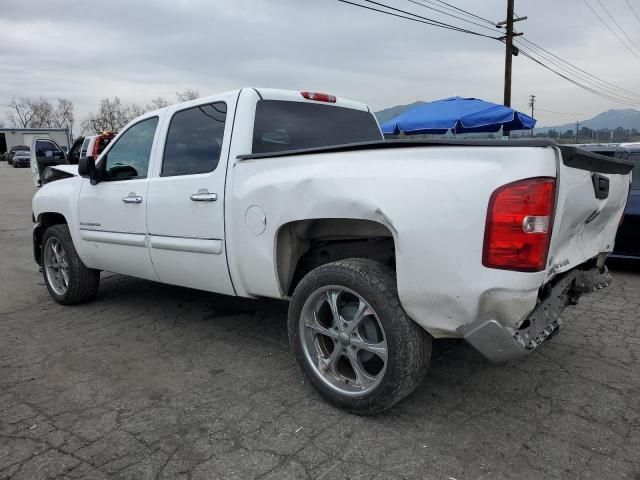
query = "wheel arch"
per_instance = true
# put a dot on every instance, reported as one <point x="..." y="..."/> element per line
<point x="43" y="222"/>
<point x="302" y="245"/>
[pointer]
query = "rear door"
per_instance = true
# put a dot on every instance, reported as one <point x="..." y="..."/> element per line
<point x="186" y="196"/>
<point x="592" y="192"/>
<point x="44" y="153"/>
<point x="112" y="214"/>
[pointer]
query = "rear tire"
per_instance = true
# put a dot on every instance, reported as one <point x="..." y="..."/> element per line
<point x="68" y="280"/>
<point x="369" y="355"/>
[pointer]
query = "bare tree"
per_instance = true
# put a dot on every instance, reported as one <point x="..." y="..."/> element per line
<point x="31" y="112"/>
<point x="43" y="113"/>
<point x="111" y="116"/>
<point x="21" y="112"/>
<point x="134" y="110"/>
<point x="63" y="115"/>
<point x="157" y="103"/>
<point x="187" y="95"/>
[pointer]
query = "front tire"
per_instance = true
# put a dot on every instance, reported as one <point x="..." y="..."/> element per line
<point x="352" y="338"/>
<point x="68" y="280"/>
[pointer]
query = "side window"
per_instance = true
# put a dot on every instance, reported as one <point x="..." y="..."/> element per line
<point x="85" y="146"/>
<point x="129" y="156"/>
<point x="194" y="140"/>
<point x="47" y="149"/>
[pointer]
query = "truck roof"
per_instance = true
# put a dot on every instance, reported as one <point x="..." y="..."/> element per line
<point x="283" y="95"/>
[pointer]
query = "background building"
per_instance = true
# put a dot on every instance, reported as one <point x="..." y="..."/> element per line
<point x="10" y="137"/>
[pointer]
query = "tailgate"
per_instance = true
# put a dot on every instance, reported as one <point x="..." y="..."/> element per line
<point x="592" y="192"/>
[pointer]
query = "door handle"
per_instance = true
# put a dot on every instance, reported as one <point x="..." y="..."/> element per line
<point x="132" y="198"/>
<point x="204" y="197"/>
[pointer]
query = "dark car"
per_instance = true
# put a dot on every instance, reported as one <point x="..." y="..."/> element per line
<point x="21" y="158"/>
<point x="14" y="149"/>
<point x="73" y="157"/>
<point x="628" y="237"/>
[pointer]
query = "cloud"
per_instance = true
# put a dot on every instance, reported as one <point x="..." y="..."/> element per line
<point x="139" y="50"/>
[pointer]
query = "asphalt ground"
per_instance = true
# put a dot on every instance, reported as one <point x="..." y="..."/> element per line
<point x="161" y="382"/>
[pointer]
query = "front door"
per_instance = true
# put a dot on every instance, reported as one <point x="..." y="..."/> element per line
<point x="44" y="153"/>
<point x="112" y="213"/>
<point x="186" y="208"/>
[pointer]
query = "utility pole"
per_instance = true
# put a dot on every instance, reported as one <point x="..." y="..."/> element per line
<point x="532" y="101"/>
<point x="510" y="51"/>
<point x="577" y="132"/>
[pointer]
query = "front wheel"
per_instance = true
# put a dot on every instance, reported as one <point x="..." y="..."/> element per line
<point x="352" y="338"/>
<point x="68" y="280"/>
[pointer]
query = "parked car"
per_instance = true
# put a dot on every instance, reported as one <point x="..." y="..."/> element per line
<point x="13" y="150"/>
<point x="44" y="153"/>
<point x="627" y="243"/>
<point x="628" y="237"/>
<point x="21" y="158"/>
<point x="74" y="152"/>
<point x="380" y="246"/>
<point x="94" y="145"/>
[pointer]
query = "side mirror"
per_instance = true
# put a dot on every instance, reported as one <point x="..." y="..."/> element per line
<point x="87" y="169"/>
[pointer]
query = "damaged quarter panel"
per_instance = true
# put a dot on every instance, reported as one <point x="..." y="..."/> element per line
<point x="584" y="223"/>
<point x="434" y="201"/>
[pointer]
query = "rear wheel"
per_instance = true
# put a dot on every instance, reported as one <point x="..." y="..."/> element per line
<point x="352" y="338"/>
<point x="68" y="280"/>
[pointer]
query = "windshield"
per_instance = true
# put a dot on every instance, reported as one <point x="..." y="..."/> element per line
<point x="281" y="125"/>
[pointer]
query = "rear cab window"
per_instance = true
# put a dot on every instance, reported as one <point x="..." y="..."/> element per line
<point x="288" y="125"/>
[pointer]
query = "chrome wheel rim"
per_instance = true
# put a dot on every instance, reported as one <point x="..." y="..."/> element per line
<point x="343" y="340"/>
<point x="56" y="266"/>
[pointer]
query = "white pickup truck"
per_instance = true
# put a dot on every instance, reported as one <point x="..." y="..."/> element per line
<point x="380" y="246"/>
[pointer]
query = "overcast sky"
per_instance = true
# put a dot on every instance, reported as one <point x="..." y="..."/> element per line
<point x="137" y="50"/>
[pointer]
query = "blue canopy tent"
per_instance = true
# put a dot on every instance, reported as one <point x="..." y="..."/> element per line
<point x="460" y="115"/>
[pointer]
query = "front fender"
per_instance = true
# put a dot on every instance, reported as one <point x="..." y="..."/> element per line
<point x="59" y="197"/>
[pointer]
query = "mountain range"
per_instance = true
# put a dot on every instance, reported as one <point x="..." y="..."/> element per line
<point x="627" y="118"/>
<point x="611" y="119"/>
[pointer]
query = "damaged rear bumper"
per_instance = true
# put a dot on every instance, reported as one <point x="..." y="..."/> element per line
<point x="499" y="343"/>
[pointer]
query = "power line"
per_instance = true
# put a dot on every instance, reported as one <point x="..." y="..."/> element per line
<point x="611" y="30"/>
<point x="633" y="10"/>
<point x="576" y="83"/>
<point x="617" y="25"/>
<point x="599" y="80"/>
<point x="559" y="113"/>
<point x="596" y="85"/>
<point x="416" y="18"/>
<point x="416" y="2"/>
<point x="448" y="25"/>
<point x="466" y="12"/>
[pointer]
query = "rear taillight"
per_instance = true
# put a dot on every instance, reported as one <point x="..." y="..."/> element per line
<point x="318" y="97"/>
<point x="518" y="227"/>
